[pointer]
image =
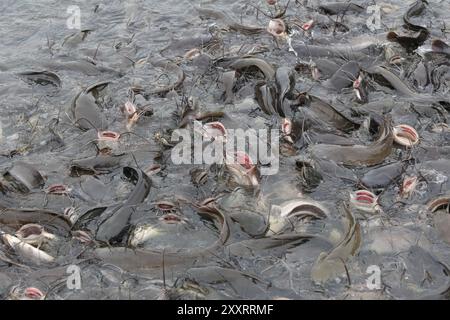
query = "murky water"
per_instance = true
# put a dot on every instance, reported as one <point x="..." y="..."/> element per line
<point x="219" y="233"/>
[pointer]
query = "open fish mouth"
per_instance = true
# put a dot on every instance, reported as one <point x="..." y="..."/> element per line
<point x="34" y="293"/>
<point x="58" y="189"/>
<point x="108" y="136"/>
<point x="34" y="234"/>
<point x="439" y="204"/>
<point x="243" y="159"/>
<point x="171" y="218"/>
<point x="130" y="108"/>
<point x="364" y="200"/>
<point x="166" y="206"/>
<point x="396" y="60"/>
<point x="405" y="135"/>
<point x="277" y="28"/>
<point x="408" y="186"/>
<point x="214" y="130"/>
<point x="286" y="129"/>
<point x="29" y="293"/>
<point x="242" y="169"/>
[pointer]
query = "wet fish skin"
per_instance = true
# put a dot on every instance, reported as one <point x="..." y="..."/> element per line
<point x="261" y="64"/>
<point x="225" y="18"/>
<point x="328" y="113"/>
<point x="244" y="284"/>
<point x="81" y="66"/>
<point x="333" y="8"/>
<point x="181" y="46"/>
<point x="87" y="114"/>
<point x="348" y="52"/>
<point x="414" y="10"/>
<point x="228" y="80"/>
<point x="17" y="217"/>
<point x="267" y="97"/>
<point x="274" y="243"/>
<point x="331" y="264"/>
<point x="440" y="46"/>
<point x="167" y="65"/>
<point x="26" y="175"/>
<point x="96" y="165"/>
<point x="27" y="251"/>
<point x="410" y="43"/>
<point x="116" y="223"/>
<point x="325" y="67"/>
<point x="383" y="176"/>
<point x="285" y="80"/>
<point x="329" y="138"/>
<point x="139" y="259"/>
<point x="359" y="154"/>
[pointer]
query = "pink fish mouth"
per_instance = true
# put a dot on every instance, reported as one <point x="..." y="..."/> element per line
<point x="165" y="206"/>
<point x="108" y="136"/>
<point x="405" y="135"/>
<point x="153" y="169"/>
<point x="408" y="186"/>
<point x="241" y="166"/>
<point x="33" y="293"/>
<point x="58" y="189"/>
<point x="286" y="126"/>
<point x="364" y="200"/>
<point x="170" y="218"/>
<point x="357" y="83"/>
<point x="244" y="160"/>
<point x="82" y="236"/>
<point x="130" y="108"/>
<point x="215" y="129"/>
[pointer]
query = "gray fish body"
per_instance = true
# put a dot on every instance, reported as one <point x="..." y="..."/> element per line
<point x="26" y="176"/>
<point x="403" y="89"/>
<point x="116" y="223"/>
<point x="228" y="80"/>
<point x="87" y="114"/>
<point x="267" y="98"/>
<point x="325" y="67"/>
<point x="383" y="176"/>
<point x="261" y="64"/>
<point x="348" y="52"/>
<point x="329" y="138"/>
<point x="138" y="259"/>
<point x="16" y="217"/>
<point x="329" y="114"/>
<point x="332" y="264"/>
<point x="333" y="8"/>
<point x="95" y="165"/>
<point x="285" y="80"/>
<point x="42" y="78"/>
<point x="358" y="154"/>
<point x="344" y="77"/>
